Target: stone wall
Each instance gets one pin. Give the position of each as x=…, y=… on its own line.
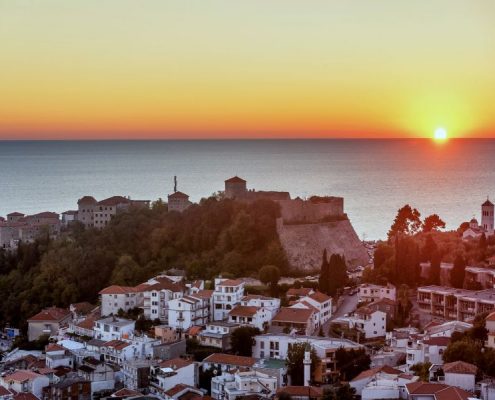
x=308, y=211
x=304, y=243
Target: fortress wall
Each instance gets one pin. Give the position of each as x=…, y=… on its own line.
x=304, y=244
x=298, y=210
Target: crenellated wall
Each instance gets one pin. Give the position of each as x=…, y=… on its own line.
x=316, y=209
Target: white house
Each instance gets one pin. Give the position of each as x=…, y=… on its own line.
x=272, y=304
x=298, y=319
x=157, y=293
x=58, y=356
x=190, y=310
x=172, y=372
x=460, y=374
x=368, y=292
x=217, y=334
x=115, y=298
x=226, y=362
x=112, y=328
x=382, y=382
x=100, y=374
x=257, y=317
x=371, y=323
x=421, y=350
x=25, y=381
x=228, y=293
x=247, y=383
x=319, y=302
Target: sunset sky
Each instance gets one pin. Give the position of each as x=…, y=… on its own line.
x=255, y=68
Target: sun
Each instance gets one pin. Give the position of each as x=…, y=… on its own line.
x=440, y=134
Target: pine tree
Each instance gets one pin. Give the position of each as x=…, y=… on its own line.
x=458, y=272
x=434, y=275
x=324, y=273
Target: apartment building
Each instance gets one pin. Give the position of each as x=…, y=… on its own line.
x=228, y=293
x=113, y=328
x=257, y=317
x=369, y=322
x=217, y=334
x=115, y=298
x=300, y=320
x=455, y=304
x=243, y=383
x=98, y=214
x=368, y=292
x=271, y=304
x=48, y=322
x=425, y=349
x=157, y=293
x=190, y=310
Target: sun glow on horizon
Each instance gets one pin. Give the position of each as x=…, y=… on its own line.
x=440, y=134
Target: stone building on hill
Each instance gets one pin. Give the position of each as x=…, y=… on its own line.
x=307, y=227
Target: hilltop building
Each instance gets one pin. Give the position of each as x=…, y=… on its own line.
x=98, y=214
x=475, y=229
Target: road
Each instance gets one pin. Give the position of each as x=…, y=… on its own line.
x=348, y=305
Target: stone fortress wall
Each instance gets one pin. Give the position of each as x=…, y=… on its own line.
x=307, y=227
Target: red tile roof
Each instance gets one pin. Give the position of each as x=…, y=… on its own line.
x=235, y=179
x=5, y=392
x=299, y=292
x=244, y=311
x=113, y=201
x=301, y=391
x=230, y=359
x=320, y=297
x=25, y=396
x=116, y=289
x=297, y=315
x=491, y=317
x=15, y=214
x=178, y=195
x=460, y=367
x=125, y=392
x=178, y=388
x=373, y=371
x=87, y=323
x=439, y=390
x=203, y=294
x=116, y=344
x=175, y=363
x=87, y=200
x=230, y=282
x=53, y=347
x=194, y=330
x=53, y=314
x=438, y=341
x=22, y=375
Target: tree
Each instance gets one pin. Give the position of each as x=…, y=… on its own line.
x=324, y=273
x=407, y=268
x=463, y=350
x=458, y=272
x=127, y=272
x=270, y=275
x=242, y=340
x=350, y=363
x=434, y=274
x=422, y=370
x=295, y=366
x=334, y=275
x=407, y=222
x=433, y=223
x=429, y=249
x=343, y=392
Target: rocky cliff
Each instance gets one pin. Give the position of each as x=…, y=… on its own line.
x=304, y=243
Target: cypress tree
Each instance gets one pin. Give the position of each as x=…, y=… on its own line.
x=324, y=273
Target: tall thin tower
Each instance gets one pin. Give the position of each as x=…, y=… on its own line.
x=487, y=217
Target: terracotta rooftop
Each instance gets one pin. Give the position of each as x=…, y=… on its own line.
x=203, y=294
x=178, y=388
x=301, y=391
x=438, y=390
x=320, y=297
x=230, y=359
x=460, y=367
x=116, y=344
x=125, y=392
x=194, y=330
x=297, y=315
x=87, y=323
x=15, y=214
x=235, y=179
x=83, y=308
x=178, y=195
x=175, y=363
x=53, y=314
x=45, y=214
x=230, y=282
x=491, y=317
x=25, y=396
x=244, y=311
x=53, y=347
x=116, y=289
x=87, y=200
x=299, y=292
x=22, y=375
x=114, y=200
x=438, y=341
x=373, y=371
x=5, y=392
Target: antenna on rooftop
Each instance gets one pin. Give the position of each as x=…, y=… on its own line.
x=175, y=183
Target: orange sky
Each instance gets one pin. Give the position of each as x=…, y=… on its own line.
x=224, y=68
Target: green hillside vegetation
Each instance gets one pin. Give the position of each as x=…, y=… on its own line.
x=213, y=237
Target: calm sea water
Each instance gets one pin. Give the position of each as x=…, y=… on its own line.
x=375, y=177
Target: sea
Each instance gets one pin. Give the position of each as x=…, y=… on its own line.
x=375, y=177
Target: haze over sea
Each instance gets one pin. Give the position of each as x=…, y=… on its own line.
x=375, y=177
